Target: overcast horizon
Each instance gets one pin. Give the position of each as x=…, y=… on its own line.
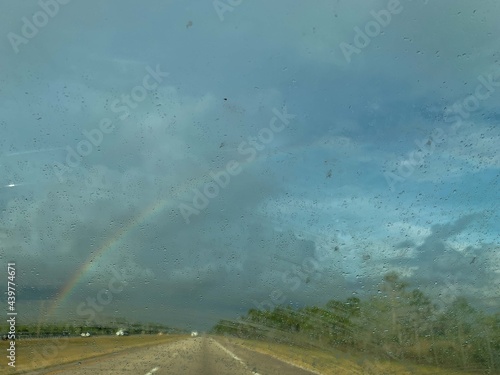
x=215, y=156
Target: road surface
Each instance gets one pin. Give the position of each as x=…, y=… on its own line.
x=193, y=356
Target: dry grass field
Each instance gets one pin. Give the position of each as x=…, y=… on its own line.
x=34, y=354
x=335, y=362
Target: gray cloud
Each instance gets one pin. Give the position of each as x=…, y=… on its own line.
x=317, y=189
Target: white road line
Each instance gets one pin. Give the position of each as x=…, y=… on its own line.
x=273, y=356
x=231, y=354
x=227, y=351
x=153, y=371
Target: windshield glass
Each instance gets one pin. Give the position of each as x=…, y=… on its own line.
x=243, y=185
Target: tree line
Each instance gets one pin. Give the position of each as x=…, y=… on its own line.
x=396, y=323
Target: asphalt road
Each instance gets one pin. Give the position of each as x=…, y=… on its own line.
x=200, y=356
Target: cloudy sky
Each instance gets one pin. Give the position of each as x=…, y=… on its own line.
x=291, y=154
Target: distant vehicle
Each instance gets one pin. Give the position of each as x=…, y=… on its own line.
x=85, y=334
x=194, y=333
x=122, y=332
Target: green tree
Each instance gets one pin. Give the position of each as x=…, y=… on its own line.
x=419, y=318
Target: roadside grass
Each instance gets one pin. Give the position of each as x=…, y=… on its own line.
x=335, y=362
x=36, y=354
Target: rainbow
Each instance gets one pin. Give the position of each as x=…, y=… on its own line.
x=112, y=243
